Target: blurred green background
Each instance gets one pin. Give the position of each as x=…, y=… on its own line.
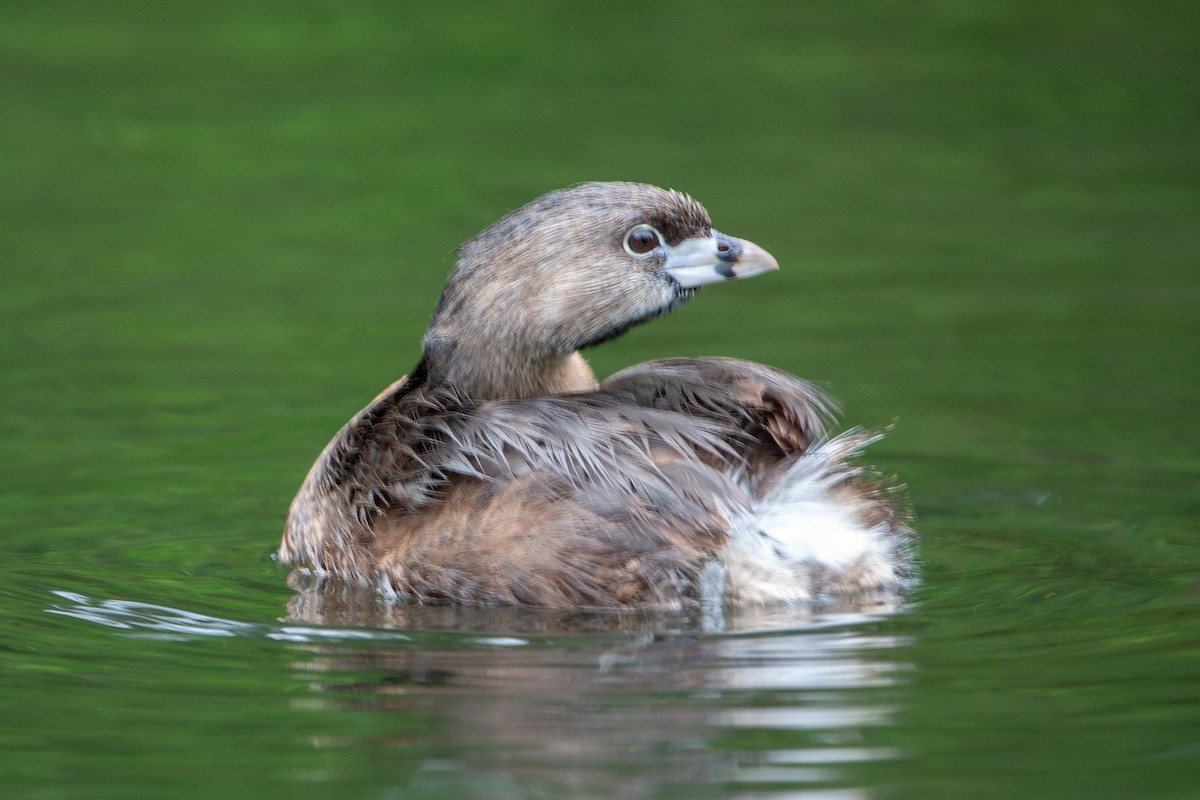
x=223, y=227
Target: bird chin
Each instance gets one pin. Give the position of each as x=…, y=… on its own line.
x=677, y=297
x=682, y=295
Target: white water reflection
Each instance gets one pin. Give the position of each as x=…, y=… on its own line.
x=151, y=621
x=791, y=712
x=504, y=703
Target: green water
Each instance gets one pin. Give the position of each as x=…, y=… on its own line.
x=222, y=230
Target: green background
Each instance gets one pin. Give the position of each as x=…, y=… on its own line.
x=223, y=227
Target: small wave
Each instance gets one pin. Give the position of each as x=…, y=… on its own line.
x=152, y=621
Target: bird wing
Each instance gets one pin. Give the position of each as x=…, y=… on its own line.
x=560, y=501
x=597, y=499
x=779, y=413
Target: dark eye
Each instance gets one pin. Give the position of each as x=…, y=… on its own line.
x=641, y=240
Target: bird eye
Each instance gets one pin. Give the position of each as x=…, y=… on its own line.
x=642, y=240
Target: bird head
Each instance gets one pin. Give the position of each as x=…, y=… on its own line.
x=582, y=265
x=579, y=266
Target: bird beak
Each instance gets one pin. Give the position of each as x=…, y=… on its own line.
x=710, y=259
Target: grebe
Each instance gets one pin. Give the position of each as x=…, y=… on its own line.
x=499, y=471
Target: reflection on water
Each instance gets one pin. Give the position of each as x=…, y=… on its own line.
x=788, y=711
x=627, y=718
x=326, y=604
x=152, y=621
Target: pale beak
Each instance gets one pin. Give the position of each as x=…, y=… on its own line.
x=710, y=259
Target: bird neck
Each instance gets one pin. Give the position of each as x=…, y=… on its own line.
x=483, y=370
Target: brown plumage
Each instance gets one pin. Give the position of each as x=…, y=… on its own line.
x=500, y=471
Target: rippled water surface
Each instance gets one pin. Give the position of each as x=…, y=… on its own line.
x=224, y=228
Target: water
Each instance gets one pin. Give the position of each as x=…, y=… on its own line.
x=224, y=229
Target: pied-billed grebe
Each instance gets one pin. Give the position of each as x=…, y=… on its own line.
x=500, y=471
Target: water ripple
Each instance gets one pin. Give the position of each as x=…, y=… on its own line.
x=152, y=621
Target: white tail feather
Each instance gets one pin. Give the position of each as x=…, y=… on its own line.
x=802, y=538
